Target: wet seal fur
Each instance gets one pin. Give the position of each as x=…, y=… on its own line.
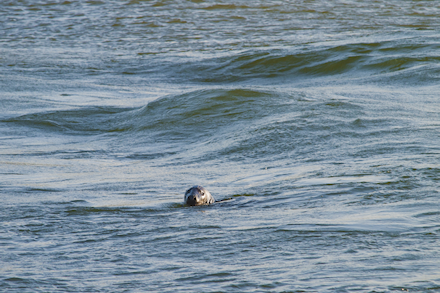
x=198, y=195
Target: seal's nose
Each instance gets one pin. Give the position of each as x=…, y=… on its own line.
x=192, y=200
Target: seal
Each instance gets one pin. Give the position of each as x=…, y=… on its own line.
x=197, y=195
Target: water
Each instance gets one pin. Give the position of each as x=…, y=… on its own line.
x=320, y=119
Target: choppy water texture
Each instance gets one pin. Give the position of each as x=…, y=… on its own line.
x=319, y=118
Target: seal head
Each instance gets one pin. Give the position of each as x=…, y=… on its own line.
x=197, y=195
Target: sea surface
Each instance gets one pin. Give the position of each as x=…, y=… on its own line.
x=319, y=119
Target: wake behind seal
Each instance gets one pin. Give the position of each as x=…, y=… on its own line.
x=198, y=195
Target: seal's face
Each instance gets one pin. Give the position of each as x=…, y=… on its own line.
x=197, y=195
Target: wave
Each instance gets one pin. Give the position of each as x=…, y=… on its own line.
x=237, y=123
x=87, y=120
x=173, y=115
x=367, y=60
x=207, y=112
x=404, y=61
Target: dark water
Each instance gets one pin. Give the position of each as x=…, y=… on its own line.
x=319, y=118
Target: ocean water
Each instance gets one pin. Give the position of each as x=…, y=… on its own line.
x=320, y=119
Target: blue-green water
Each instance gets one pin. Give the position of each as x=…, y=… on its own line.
x=319, y=118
